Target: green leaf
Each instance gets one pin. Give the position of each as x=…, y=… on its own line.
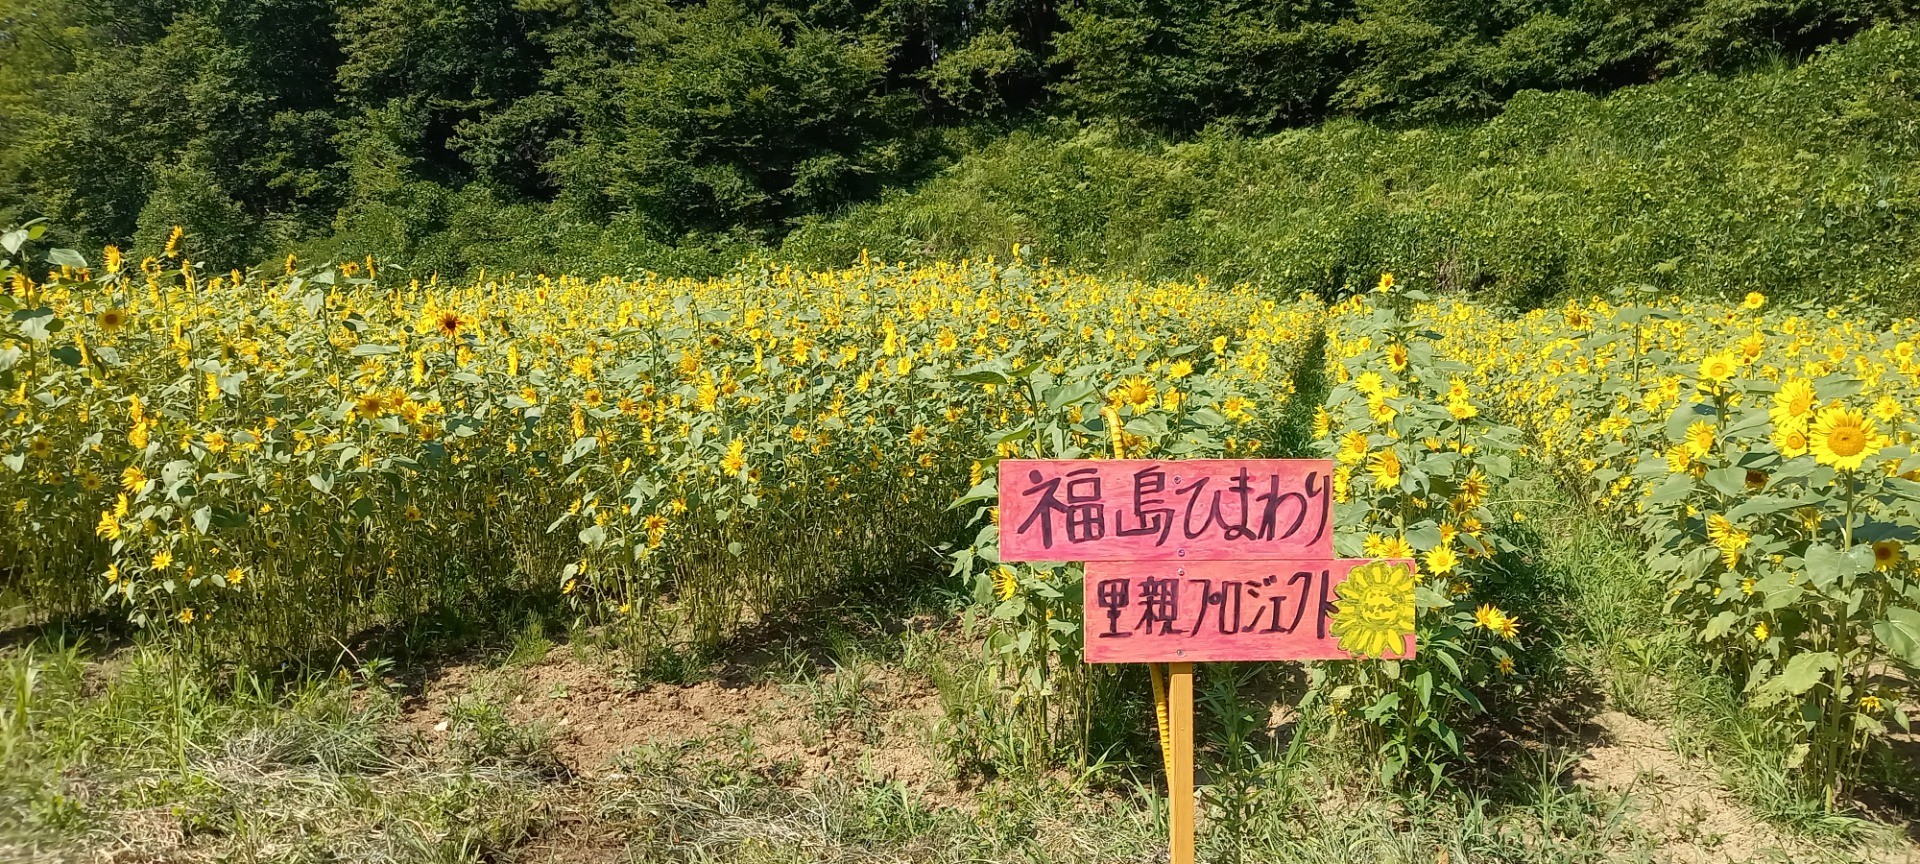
x=1731, y=482
x=1675, y=488
x=1720, y=626
x=1060, y=397
x=1800, y=675
x=1684, y=416
x=1900, y=633
x=1827, y=565
x=1760, y=505
x=985, y=373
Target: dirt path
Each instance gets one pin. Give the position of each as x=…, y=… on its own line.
x=1681, y=802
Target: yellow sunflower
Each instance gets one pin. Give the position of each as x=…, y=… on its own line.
x=1716, y=368
x=1844, y=438
x=1887, y=554
x=1136, y=392
x=1791, y=440
x=1005, y=583
x=1395, y=547
x=1385, y=467
x=1353, y=448
x=735, y=459
x=1700, y=438
x=1792, y=403
x=449, y=323
x=1441, y=559
x=1373, y=614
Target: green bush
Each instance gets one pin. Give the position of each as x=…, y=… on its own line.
x=1799, y=182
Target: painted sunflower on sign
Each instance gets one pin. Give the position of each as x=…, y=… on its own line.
x=1374, y=612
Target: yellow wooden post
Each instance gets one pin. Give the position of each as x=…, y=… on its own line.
x=1180, y=762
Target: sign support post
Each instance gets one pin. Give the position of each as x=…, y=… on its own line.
x=1180, y=762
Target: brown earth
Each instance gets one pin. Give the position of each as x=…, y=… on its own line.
x=1681, y=802
x=594, y=718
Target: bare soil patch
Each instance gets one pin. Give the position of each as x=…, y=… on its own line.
x=1681, y=802
x=594, y=717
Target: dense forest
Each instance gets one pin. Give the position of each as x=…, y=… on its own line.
x=683, y=134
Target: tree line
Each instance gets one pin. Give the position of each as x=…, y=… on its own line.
x=380, y=124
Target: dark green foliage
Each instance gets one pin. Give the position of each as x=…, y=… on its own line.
x=1179, y=65
x=1802, y=182
x=233, y=98
x=1182, y=64
x=452, y=130
x=452, y=74
x=722, y=116
x=264, y=123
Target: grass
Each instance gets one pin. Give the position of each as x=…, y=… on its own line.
x=134, y=750
x=147, y=754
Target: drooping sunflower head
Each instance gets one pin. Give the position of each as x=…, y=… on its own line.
x=1005, y=583
x=1374, y=611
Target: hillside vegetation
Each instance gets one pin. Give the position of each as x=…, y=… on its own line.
x=1799, y=182
x=605, y=134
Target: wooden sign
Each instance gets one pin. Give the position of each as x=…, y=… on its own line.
x=1149, y=510
x=1204, y=559
x=1184, y=612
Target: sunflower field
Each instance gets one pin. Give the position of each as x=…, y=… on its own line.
x=260, y=466
x=265, y=464
x=1764, y=456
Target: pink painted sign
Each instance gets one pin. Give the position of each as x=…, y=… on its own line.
x=1192, y=611
x=1150, y=510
